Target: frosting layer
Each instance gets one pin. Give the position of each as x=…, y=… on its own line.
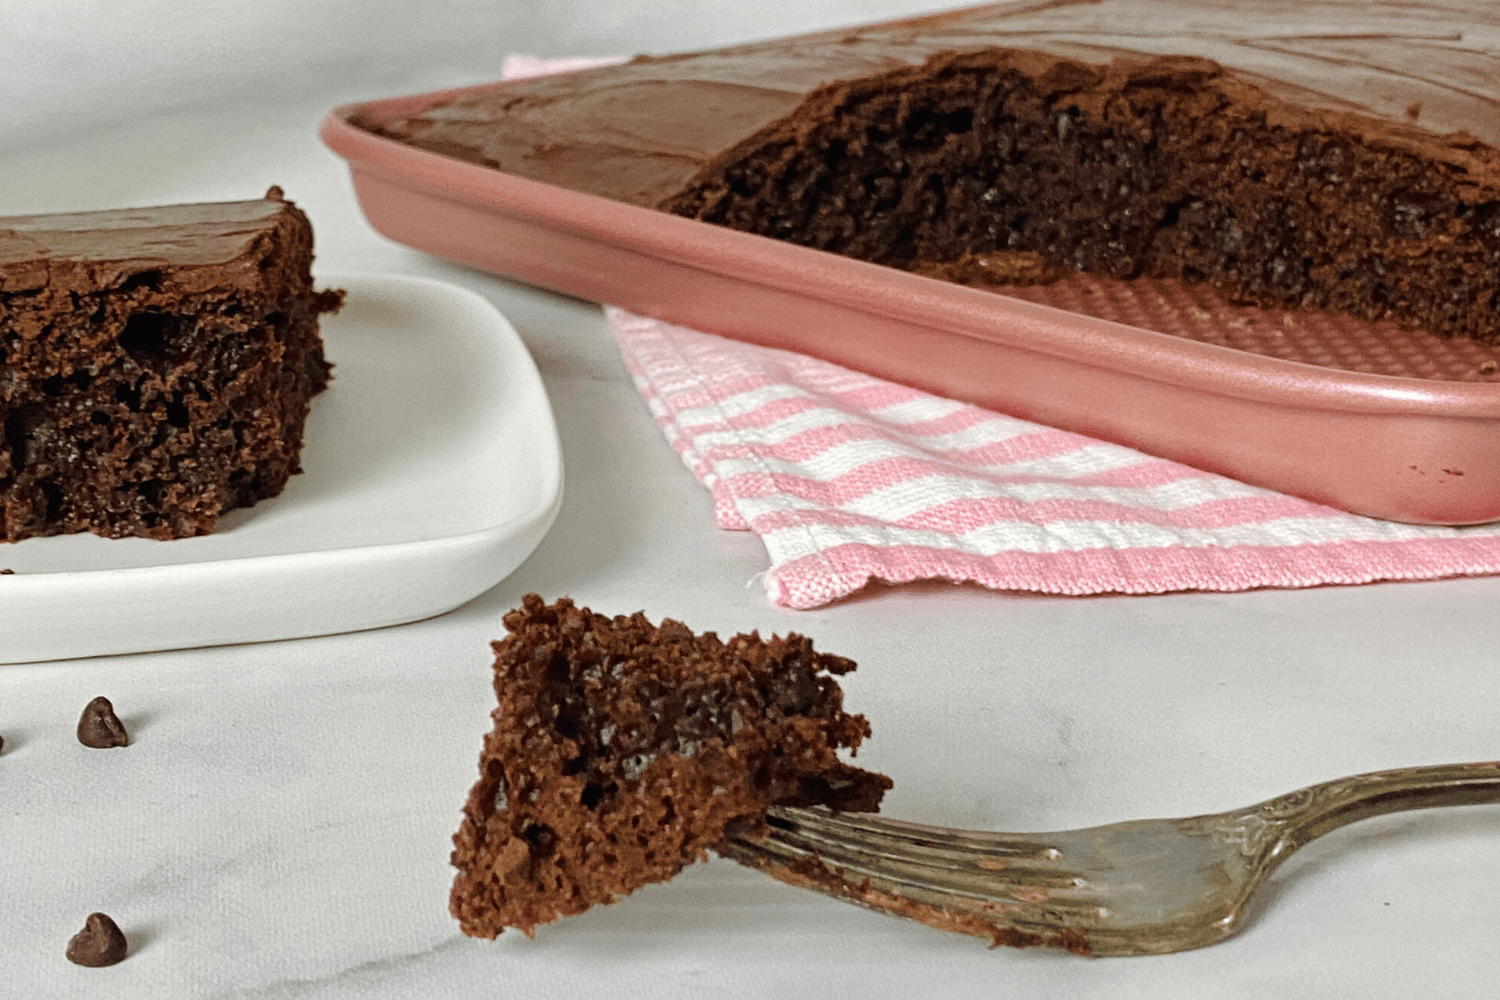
x=640, y=132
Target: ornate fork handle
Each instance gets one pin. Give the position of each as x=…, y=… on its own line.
x=1273, y=829
x=1132, y=888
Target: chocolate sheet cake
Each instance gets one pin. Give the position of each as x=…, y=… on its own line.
x=622, y=751
x=155, y=365
x=1322, y=155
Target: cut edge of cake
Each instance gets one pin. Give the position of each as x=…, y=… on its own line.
x=623, y=751
x=156, y=365
x=1167, y=167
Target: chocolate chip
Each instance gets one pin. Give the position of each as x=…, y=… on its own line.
x=100, y=943
x=100, y=727
x=2, y=743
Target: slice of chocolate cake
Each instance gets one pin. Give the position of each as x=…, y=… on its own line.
x=623, y=751
x=155, y=365
x=1316, y=155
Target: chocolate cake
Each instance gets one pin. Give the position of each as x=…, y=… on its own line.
x=1320, y=155
x=155, y=365
x=622, y=751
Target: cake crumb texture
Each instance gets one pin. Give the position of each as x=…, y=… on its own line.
x=623, y=751
x=1169, y=167
x=156, y=365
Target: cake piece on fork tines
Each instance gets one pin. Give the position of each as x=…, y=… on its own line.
x=623, y=751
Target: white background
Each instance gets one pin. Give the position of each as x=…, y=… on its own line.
x=279, y=828
x=76, y=63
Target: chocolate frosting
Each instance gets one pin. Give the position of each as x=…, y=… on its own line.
x=129, y=240
x=640, y=132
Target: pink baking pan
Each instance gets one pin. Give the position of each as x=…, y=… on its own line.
x=1363, y=417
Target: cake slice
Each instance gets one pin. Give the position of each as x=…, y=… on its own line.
x=622, y=751
x=155, y=365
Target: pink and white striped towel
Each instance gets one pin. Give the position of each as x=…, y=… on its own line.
x=849, y=479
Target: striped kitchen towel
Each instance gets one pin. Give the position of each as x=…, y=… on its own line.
x=849, y=479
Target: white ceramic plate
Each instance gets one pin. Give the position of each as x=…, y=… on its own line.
x=432, y=469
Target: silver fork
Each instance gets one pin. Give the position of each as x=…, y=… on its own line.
x=1136, y=888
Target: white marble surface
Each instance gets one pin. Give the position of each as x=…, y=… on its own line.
x=279, y=826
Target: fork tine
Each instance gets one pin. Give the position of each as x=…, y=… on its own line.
x=900, y=837
x=1020, y=895
x=1017, y=923
x=934, y=859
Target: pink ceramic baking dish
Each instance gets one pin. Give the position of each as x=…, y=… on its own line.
x=1372, y=420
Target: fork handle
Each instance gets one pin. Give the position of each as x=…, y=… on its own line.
x=1288, y=821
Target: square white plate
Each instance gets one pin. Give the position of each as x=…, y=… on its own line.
x=432, y=469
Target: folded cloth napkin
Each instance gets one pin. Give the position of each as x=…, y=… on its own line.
x=849, y=479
